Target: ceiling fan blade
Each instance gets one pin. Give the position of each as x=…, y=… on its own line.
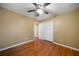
x=45, y=12
x=36, y=14
x=34, y=4
x=46, y=4
x=31, y=10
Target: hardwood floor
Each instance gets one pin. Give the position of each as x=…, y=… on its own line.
x=39, y=48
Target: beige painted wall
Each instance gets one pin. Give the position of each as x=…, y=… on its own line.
x=66, y=29
x=14, y=28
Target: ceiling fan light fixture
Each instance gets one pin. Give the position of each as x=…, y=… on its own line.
x=40, y=11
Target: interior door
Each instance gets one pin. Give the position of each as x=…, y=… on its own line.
x=46, y=30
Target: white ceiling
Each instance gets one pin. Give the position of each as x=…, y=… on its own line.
x=53, y=9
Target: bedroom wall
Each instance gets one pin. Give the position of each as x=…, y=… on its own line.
x=14, y=28
x=66, y=29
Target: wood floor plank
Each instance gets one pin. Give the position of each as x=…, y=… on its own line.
x=39, y=48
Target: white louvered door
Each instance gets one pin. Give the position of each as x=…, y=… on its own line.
x=46, y=30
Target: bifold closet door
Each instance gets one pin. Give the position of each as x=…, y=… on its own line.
x=46, y=30
x=41, y=31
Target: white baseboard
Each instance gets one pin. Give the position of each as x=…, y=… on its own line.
x=33, y=40
x=66, y=46
x=15, y=45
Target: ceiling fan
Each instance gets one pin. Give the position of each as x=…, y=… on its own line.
x=39, y=8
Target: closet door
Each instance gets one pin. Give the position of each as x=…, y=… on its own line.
x=46, y=30
x=41, y=31
x=49, y=31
